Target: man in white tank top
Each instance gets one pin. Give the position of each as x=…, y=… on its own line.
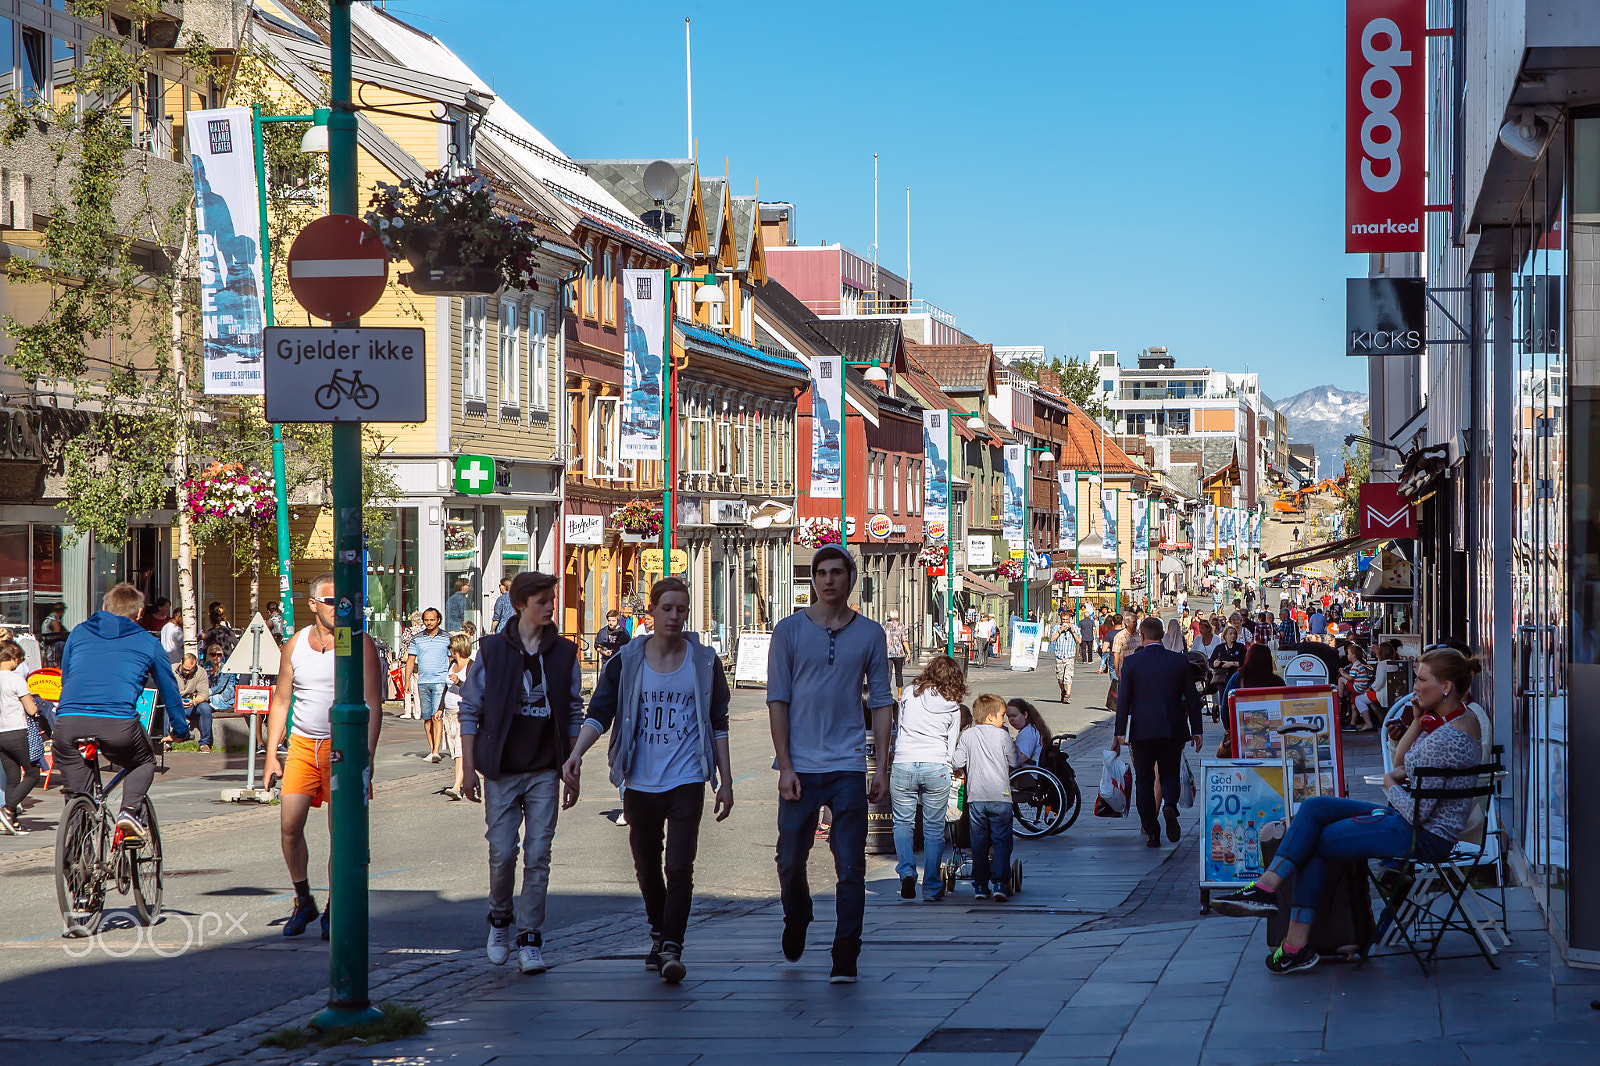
x=306, y=675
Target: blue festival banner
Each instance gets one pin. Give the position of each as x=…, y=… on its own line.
x=644, y=316
x=935, y=474
x=827, y=427
x=228, y=231
x=1108, y=516
x=1067, y=506
x=1012, y=523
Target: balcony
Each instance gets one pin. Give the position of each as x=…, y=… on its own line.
x=870, y=304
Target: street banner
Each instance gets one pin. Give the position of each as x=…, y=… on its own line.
x=1013, y=522
x=1211, y=527
x=1255, y=531
x=1385, y=124
x=1139, y=514
x=827, y=426
x=1225, y=539
x=1108, y=515
x=228, y=231
x=644, y=316
x=935, y=474
x=1241, y=530
x=1067, y=505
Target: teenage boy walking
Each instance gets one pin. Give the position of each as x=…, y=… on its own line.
x=521, y=707
x=820, y=659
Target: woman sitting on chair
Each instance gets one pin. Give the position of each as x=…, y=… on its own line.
x=1328, y=829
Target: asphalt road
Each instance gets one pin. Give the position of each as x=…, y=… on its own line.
x=218, y=955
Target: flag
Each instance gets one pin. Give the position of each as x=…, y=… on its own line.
x=228, y=231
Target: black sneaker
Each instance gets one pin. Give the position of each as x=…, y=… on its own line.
x=652, y=961
x=844, y=964
x=1248, y=902
x=794, y=939
x=980, y=891
x=1173, y=832
x=672, y=968
x=304, y=913
x=908, y=887
x=326, y=911
x=133, y=830
x=1281, y=961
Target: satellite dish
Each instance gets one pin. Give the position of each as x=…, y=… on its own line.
x=661, y=181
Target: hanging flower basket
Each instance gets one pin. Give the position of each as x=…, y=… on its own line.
x=932, y=555
x=454, y=234
x=232, y=494
x=816, y=533
x=1009, y=569
x=637, y=521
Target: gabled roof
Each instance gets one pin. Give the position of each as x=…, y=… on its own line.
x=625, y=179
x=747, y=232
x=878, y=339
x=958, y=367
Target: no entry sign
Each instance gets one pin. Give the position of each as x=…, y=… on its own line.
x=338, y=268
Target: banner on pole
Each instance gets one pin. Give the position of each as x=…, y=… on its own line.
x=644, y=314
x=228, y=231
x=1228, y=516
x=1255, y=532
x=1108, y=515
x=827, y=427
x=935, y=474
x=1139, y=513
x=1013, y=522
x=1211, y=527
x=1067, y=505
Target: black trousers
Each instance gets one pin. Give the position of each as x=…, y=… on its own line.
x=1164, y=756
x=675, y=815
x=122, y=740
x=21, y=775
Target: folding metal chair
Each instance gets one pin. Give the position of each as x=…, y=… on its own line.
x=1410, y=914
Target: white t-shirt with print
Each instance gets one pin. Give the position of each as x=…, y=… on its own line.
x=666, y=735
x=13, y=686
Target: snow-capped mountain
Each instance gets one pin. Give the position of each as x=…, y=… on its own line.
x=1324, y=416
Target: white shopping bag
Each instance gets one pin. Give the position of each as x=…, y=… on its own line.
x=1116, y=785
x=1186, y=787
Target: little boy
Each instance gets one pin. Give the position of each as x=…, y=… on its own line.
x=988, y=755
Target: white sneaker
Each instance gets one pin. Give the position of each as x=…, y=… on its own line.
x=499, y=946
x=530, y=959
x=434, y=756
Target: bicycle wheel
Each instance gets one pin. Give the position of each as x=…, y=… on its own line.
x=1037, y=801
x=1074, y=805
x=79, y=889
x=365, y=396
x=147, y=868
x=328, y=396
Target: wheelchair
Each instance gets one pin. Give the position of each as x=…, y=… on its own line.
x=1045, y=799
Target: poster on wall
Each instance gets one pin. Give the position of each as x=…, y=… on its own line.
x=935, y=474
x=1012, y=523
x=827, y=426
x=1067, y=505
x=644, y=310
x=1108, y=516
x=1139, y=514
x=228, y=231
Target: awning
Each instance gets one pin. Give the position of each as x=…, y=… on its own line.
x=971, y=582
x=1313, y=553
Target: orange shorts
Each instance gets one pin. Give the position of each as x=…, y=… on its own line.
x=308, y=769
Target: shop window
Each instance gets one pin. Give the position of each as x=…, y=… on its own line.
x=461, y=563
x=538, y=360
x=392, y=576
x=474, y=347
x=517, y=545
x=510, y=353
x=14, y=560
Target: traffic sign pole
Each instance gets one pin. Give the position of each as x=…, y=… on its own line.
x=348, y=1001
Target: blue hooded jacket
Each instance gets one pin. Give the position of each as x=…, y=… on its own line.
x=104, y=665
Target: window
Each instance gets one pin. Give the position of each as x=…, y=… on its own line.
x=538, y=360
x=591, y=306
x=725, y=448
x=741, y=451
x=897, y=484
x=609, y=296
x=746, y=322
x=510, y=353
x=603, y=430
x=35, y=65
x=574, y=426
x=474, y=346
x=698, y=446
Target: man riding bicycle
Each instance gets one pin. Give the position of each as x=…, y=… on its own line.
x=103, y=669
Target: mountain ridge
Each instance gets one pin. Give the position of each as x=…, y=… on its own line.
x=1323, y=416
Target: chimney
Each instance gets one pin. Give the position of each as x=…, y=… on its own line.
x=1049, y=379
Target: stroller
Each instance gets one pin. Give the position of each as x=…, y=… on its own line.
x=957, y=865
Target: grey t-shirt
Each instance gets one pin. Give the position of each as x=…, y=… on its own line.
x=819, y=673
x=989, y=755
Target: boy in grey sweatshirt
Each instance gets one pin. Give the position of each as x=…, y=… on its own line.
x=988, y=755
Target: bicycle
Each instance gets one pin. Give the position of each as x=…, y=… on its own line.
x=90, y=852
x=339, y=386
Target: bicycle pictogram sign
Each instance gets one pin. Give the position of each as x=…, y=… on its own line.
x=342, y=385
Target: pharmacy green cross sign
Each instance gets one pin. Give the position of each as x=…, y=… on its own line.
x=474, y=475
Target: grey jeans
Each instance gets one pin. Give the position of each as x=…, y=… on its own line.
x=525, y=803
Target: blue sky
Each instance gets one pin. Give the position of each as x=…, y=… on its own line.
x=1083, y=175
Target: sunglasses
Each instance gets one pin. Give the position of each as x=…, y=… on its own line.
x=326, y=600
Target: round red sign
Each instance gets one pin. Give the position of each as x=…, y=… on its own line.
x=338, y=268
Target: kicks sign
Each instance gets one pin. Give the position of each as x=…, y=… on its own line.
x=1385, y=125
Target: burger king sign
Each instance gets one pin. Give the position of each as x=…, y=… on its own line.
x=880, y=526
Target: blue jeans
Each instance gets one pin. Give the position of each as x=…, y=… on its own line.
x=430, y=696
x=520, y=806
x=1328, y=829
x=201, y=712
x=991, y=827
x=844, y=793
x=931, y=782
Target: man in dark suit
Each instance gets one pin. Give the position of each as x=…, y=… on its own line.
x=1157, y=710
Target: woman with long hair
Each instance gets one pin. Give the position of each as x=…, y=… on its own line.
x=1258, y=671
x=929, y=725
x=1033, y=736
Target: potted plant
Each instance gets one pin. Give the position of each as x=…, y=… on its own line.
x=636, y=521
x=454, y=235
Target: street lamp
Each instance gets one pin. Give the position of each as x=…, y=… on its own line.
x=707, y=293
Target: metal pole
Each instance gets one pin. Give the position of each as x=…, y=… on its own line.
x=949, y=542
x=348, y=1003
x=666, y=423
x=1027, y=530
